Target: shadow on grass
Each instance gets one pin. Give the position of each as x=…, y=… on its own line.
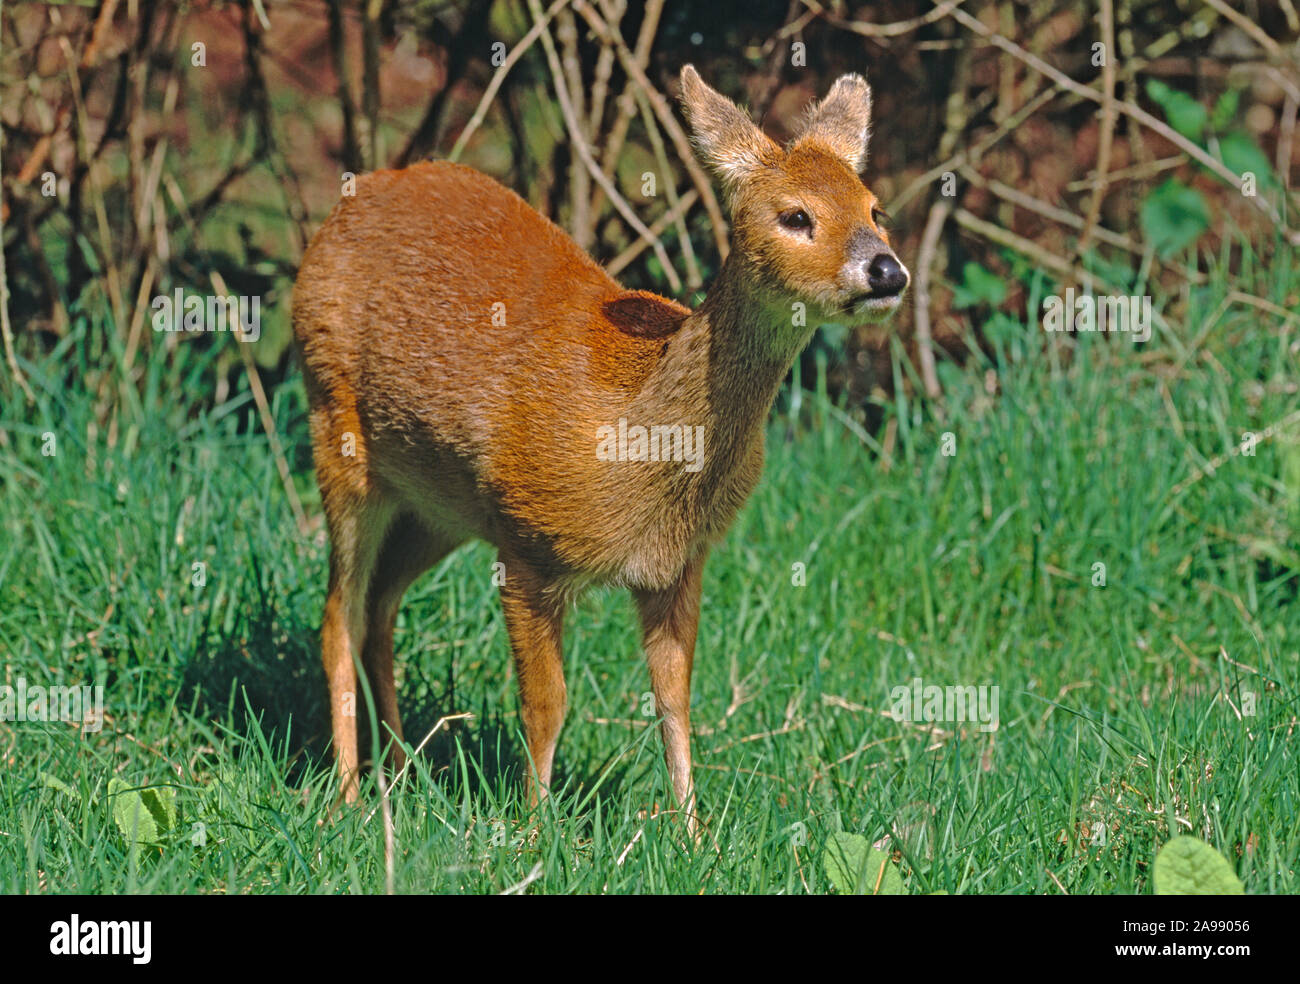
x=268, y=671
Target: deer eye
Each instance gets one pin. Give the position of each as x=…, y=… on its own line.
x=879, y=216
x=796, y=218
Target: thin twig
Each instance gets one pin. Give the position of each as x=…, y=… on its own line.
x=1107, y=125
x=1026, y=247
x=620, y=262
x=1129, y=109
x=583, y=151
x=921, y=295
x=111, y=273
x=582, y=220
x=604, y=69
x=1292, y=18
x=693, y=278
x=1286, y=135
x=1263, y=305
x=499, y=76
x=463, y=715
x=143, y=224
x=664, y=113
x=1140, y=172
x=1040, y=207
x=1249, y=26
x=263, y=408
x=1214, y=464
x=370, y=98
x=390, y=847
x=795, y=26
x=625, y=105
x=869, y=30
x=532, y=876
x=775, y=51
x=338, y=52
x=973, y=155
x=6, y=330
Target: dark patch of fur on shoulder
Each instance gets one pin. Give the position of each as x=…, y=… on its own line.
x=644, y=315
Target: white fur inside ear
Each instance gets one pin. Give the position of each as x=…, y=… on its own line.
x=735, y=168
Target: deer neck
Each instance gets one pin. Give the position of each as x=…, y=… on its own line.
x=723, y=368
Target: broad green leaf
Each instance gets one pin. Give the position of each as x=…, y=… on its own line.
x=978, y=286
x=1241, y=155
x=52, y=782
x=161, y=802
x=142, y=815
x=1173, y=217
x=130, y=814
x=1187, y=866
x=1184, y=113
x=1225, y=110
x=854, y=867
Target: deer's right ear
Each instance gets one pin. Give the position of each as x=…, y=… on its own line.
x=728, y=142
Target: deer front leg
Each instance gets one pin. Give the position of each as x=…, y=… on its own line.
x=669, y=620
x=534, y=619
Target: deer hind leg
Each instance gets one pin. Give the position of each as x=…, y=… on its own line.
x=357, y=522
x=410, y=548
x=534, y=613
x=669, y=620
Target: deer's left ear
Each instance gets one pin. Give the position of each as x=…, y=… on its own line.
x=842, y=121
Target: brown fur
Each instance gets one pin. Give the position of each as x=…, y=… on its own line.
x=464, y=428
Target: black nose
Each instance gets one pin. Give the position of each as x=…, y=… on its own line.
x=885, y=276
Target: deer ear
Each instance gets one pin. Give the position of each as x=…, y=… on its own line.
x=727, y=141
x=842, y=121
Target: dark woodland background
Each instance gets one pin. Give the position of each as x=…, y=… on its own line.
x=150, y=146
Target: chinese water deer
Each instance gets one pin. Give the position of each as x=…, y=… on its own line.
x=473, y=373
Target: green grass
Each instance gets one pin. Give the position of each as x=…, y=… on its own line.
x=1116, y=702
